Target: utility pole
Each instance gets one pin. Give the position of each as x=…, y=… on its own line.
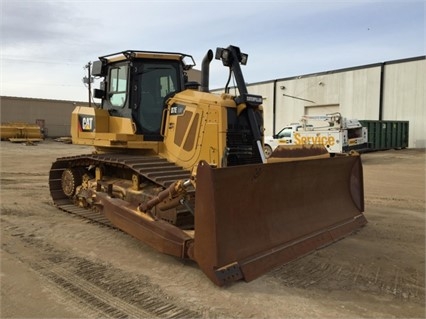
x=88, y=80
x=89, y=66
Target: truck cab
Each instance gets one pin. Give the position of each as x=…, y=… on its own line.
x=283, y=137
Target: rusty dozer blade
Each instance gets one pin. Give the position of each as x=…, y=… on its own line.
x=251, y=219
x=287, y=153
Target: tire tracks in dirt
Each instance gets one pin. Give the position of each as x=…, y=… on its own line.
x=111, y=292
x=313, y=272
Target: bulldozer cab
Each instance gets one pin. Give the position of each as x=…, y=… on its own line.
x=136, y=85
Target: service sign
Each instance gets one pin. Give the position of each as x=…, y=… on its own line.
x=314, y=139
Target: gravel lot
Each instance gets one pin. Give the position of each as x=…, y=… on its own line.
x=56, y=265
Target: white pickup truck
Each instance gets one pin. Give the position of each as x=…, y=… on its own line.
x=339, y=136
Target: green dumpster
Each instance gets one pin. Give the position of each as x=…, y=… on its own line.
x=383, y=135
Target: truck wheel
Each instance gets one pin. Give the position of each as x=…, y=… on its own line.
x=267, y=150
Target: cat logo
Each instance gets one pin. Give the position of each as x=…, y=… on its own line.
x=87, y=123
x=177, y=109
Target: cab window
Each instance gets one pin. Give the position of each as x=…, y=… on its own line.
x=118, y=86
x=285, y=132
x=167, y=84
x=156, y=80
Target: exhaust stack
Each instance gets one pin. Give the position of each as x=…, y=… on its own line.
x=205, y=71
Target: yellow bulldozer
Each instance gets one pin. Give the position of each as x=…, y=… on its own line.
x=183, y=169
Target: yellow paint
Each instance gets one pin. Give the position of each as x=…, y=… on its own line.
x=318, y=139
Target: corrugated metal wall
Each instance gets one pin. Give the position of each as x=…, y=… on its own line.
x=356, y=93
x=363, y=93
x=56, y=114
x=404, y=98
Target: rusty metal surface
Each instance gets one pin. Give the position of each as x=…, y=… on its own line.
x=262, y=216
x=295, y=151
x=159, y=234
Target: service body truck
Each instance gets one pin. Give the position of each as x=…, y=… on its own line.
x=341, y=135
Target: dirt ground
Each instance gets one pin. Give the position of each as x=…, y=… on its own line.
x=57, y=265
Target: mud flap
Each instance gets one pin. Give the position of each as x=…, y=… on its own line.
x=251, y=219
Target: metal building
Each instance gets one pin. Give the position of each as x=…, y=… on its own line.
x=393, y=90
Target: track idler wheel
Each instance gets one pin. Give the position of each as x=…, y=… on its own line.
x=70, y=180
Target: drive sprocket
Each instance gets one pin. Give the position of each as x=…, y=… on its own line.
x=70, y=180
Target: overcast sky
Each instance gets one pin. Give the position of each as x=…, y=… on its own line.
x=45, y=44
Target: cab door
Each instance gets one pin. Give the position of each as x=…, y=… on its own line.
x=285, y=136
x=153, y=82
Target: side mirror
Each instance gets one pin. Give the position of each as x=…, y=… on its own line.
x=98, y=94
x=98, y=69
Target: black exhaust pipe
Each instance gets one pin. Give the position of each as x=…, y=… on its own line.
x=205, y=71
